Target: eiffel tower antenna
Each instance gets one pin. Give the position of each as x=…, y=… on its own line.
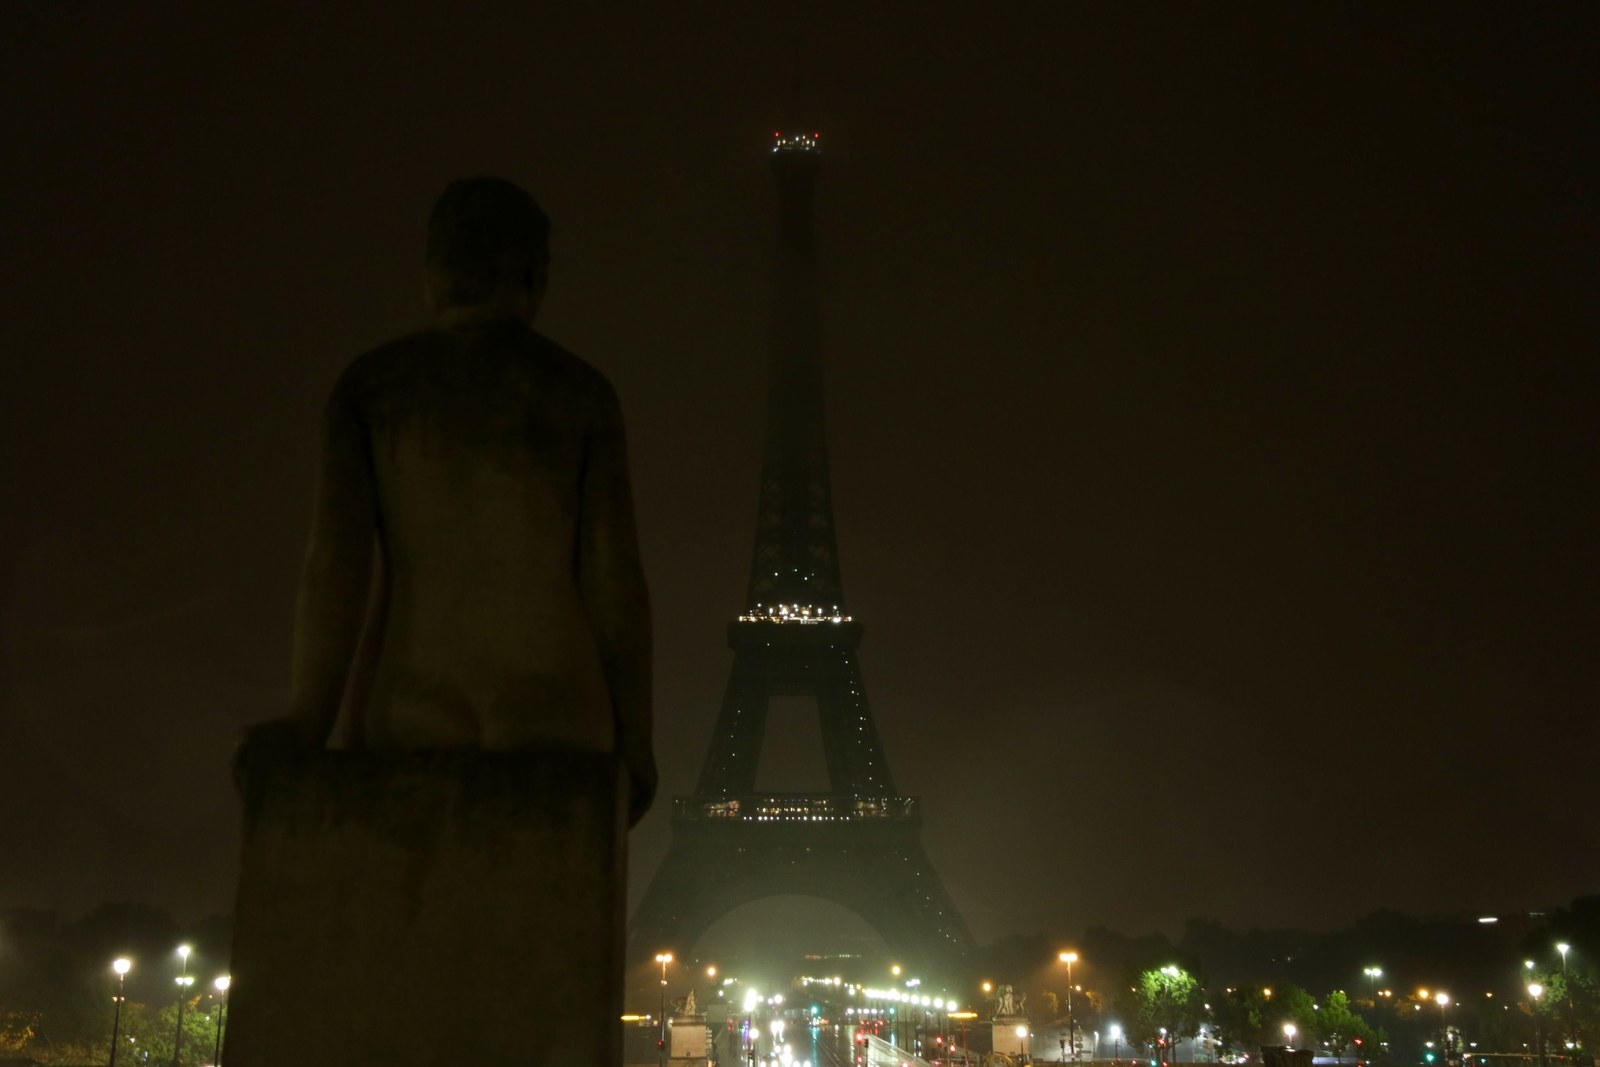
x=858, y=844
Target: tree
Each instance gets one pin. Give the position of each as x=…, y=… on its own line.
x=1238, y=1020
x=1336, y=1025
x=1165, y=999
x=152, y=1030
x=16, y=1030
x=1290, y=1005
x=1569, y=1008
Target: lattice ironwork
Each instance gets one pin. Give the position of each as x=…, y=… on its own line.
x=858, y=844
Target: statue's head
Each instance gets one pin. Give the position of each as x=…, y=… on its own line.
x=488, y=247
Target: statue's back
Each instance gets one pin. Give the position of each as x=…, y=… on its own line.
x=478, y=442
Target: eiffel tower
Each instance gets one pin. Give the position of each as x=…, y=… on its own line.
x=858, y=844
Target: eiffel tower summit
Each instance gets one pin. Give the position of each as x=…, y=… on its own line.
x=858, y=844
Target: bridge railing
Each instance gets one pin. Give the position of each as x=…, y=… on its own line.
x=775, y=807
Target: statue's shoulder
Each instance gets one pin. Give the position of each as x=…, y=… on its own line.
x=586, y=387
x=524, y=359
x=579, y=372
x=380, y=366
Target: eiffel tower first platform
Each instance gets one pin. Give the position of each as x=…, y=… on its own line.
x=858, y=844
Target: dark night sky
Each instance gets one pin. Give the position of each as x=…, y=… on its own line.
x=1212, y=405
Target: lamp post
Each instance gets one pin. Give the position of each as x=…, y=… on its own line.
x=1535, y=991
x=1172, y=971
x=1443, y=1000
x=1069, y=958
x=222, y=983
x=184, y=982
x=1563, y=948
x=1289, y=1032
x=1373, y=974
x=1116, y=1038
x=122, y=967
x=663, y=958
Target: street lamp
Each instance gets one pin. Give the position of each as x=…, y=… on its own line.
x=1562, y=947
x=1373, y=974
x=1069, y=958
x=222, y=983
x=663, y=958
x=1116, y=1037
x=1289, y=1032
x=122, y=967
x=1443, y=1000
x=1535, y=991
x=184, y=982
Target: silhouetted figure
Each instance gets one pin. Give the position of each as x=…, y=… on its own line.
x=476, y=471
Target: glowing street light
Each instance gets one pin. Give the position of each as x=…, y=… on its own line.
x=184, y=982
x=663, y=958
x=121, y=966
x=1535, y=991
x=1069, y=958
x=222, y=983
x=1563, y=948
x=1116, y=1037
x=1442, y=999
x=1373, y=974
x=1289, y=1031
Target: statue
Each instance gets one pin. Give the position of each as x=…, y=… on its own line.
x=688, y=1004
x=473, y=580
x=1005, y=1004
x=473, y=610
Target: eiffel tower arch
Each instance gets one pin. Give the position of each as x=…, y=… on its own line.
x=859, y=843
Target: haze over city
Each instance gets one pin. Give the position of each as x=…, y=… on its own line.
x=1210, y=404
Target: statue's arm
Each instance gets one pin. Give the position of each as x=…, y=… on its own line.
x=334, y=584
x=613, y=588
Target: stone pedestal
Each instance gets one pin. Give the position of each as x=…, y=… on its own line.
x=422, y=910
x=689, y=1045
x=1006, y=1038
